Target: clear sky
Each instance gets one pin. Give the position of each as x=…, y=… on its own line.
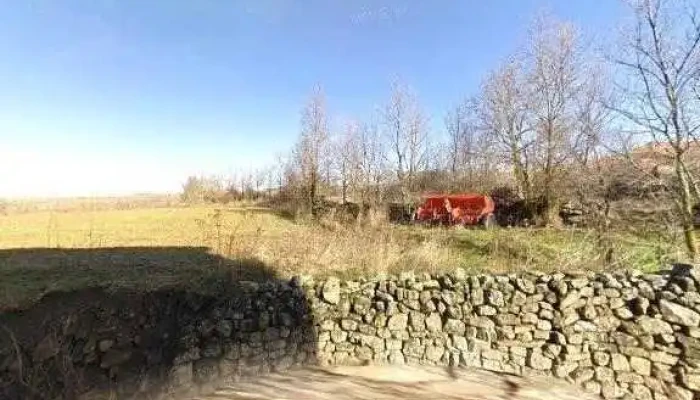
x=105, y=97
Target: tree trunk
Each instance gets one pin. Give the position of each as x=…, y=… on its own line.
x=344, y=190
x=686, y=210
x=312, y=195
x=521, y=175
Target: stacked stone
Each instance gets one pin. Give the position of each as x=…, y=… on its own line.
x=263, y=328
x=619, y=335
x=623, y=335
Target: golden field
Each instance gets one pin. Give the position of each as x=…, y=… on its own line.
x=199, y=247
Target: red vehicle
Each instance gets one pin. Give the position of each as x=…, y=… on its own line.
x=456, y=209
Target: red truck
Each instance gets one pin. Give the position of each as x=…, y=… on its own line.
x=456, y=209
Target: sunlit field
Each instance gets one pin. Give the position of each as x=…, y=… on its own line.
x=151, y=248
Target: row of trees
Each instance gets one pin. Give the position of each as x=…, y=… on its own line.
x=555, y=121
x=535, y=116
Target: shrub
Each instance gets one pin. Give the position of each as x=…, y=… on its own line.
x=201, y=190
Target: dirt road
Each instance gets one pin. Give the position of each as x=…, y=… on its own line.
x=395, y=382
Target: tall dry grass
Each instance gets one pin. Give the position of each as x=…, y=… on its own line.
x=377, y=247
x=252, y=238
x=326, y=247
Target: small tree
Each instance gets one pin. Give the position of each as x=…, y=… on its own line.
x=342, y=151
x=461, y=149
x=372, y=166
x=405, y=129
x=312, y=149
x=200, y=189
x=559, y=78
x=503, y=116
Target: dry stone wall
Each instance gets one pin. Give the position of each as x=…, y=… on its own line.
x=621, y=335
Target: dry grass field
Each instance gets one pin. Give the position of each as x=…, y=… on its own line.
x=200, y=247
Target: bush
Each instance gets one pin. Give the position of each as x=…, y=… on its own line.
x=201, y=190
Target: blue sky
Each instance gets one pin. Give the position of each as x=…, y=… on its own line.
x=116, y=96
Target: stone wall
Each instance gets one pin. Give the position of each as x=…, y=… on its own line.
x=621, y=335
x=166, y=344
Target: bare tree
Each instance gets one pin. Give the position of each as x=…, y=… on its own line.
x=248, y=184
x=311, y=151
x=557, y=77
x=660, y=60
x=371, y=164
x=503, y=114
x=278, y=173
x=201, y=189
x=592, y=182
x=405, y=128
x=532, y=112
x=347, y=158
x=260, y=176
x=488, y=172
x=461, y=151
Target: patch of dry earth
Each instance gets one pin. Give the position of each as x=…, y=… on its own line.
x=395, y=382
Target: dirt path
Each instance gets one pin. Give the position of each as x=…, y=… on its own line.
x=394, y=382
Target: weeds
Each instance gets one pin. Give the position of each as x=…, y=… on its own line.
x=247, y=239
x=39, y=377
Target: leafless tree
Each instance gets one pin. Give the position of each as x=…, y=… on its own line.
x=372, y=166
x=592, y=183
x=278, y=173
x=539, y=110
x=405, y=129
x=311, y=151
x=592, y=119
x=503, y=115
x=660, y=63
x=488, y=171
x=461, y=149
x=201, y=189
x=247, y=184
x=558, y=76
x=347, y=159
x=260, y=176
